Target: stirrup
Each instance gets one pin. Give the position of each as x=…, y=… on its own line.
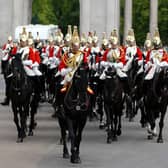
x=64, y=89
x=90, y=91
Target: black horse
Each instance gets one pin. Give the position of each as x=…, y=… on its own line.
x=22, y=99
x=75, y=112
x=134, y=94
x=113, y=103
x=156, y=100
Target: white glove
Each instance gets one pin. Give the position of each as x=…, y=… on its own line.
x=43, y=55
x=64, y=71
x=97, y=65
x=110, y=64
x=140, y=62
x=35, y=64
x=27, y=62
x=119, y=65
x=104, y=63
x=163, y=64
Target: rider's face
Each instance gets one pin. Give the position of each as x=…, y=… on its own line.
x=75, y=47
x=23, y=43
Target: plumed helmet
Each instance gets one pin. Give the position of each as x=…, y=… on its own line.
x=50, y=39
x=104, y=39
x=114, y=37
x=23, y=37
x=156, y=38
x=58, y=37
x=130, y=37
x=30, y=41
x=68, y=36
x=9, y=38
x=75, y=36
x=95, y=37
x=83, y=38
x=38, y=37
x=148, y=42
x=89, y=38
x=30, y=36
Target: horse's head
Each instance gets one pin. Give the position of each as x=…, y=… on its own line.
x=76, y=98
x=135, y=66
x=111, y=72
x=80, y=78
x=164, y=77
x=18, y=73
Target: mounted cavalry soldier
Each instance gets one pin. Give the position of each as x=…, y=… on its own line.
x=156, y=57
x=147, y=45
x=67, y=40
x=114, y=56
x=83, y=42
x=132, y=51
x=9, y=49
x=72, y=59
x=70, y=62
x=31, y=60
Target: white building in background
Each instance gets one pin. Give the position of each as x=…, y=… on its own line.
x=99, y=15
x=104, y=15
x=12, y=14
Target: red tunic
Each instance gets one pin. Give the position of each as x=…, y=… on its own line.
x=34, y=55
x=164, y=57
x=138, y=53
x=121, y=58
x=65, y=57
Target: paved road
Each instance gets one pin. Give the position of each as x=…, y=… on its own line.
x=43, y=149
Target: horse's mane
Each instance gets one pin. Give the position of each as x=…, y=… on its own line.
x=77, y=92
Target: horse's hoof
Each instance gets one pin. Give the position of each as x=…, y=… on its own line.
x=126, y=116
x=119, y=132
x=30, y=133
x=109, y=140
x=131, y=120
x=101, y=126
x=34, y=125
x=143, y=125
x=150, y=137
x=24, y=135
x=75, y=160
x=160, y=140
x=19, y=140
x=114, y=138
x=66, y=155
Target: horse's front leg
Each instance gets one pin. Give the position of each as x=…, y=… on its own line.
x=161, y=125
x=72, y=138
x=119, y=132
x=62, y=123
x=33, y=111
x=115, y=123
x=143, y=120
x=109, y=126
x=78, y=138
x=151, y=128
x=16, y=121
x=23, y=123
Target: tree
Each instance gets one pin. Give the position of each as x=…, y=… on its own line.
x=163, y=20
x=65, y=12
x=59, y=12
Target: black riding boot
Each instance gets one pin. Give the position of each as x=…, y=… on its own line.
x=5, y=102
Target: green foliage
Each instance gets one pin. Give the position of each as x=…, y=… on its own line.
x=141, y=20
x=43, y=12
x=64, y=12
x=163, y=20
x=59, y=12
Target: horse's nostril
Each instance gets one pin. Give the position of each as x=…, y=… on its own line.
x=78, y=108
